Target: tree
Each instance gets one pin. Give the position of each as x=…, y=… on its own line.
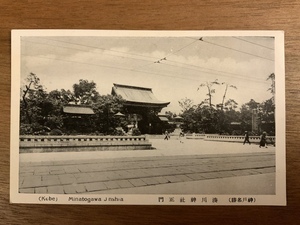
x=189, y=120
x=186, y=104
x=105, y=109
x=225, y=92
x=272, y=78
x=31, y=90
x=33, y=106
x=267, y=116
x=63, y=96
x=252, y=104
x=85, y=92
x=272, y=88
x=200, y=118
x=210, y=90
x=247, y=111
x=209, y=120
x=56, y=101
x=170, y=115
x=231, y=104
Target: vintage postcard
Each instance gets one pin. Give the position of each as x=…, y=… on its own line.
x=148, y=117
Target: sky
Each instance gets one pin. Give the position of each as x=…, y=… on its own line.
x=174, y=67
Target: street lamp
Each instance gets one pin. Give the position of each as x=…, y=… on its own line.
x=119, y=115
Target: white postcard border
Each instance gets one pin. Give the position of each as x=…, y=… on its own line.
x=148, y=199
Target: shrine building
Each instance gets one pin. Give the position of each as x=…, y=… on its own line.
x=141, y=104
x=77, y=118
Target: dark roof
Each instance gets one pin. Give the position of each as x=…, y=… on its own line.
x=163, y=117
x=78, y=109
x=139, y=96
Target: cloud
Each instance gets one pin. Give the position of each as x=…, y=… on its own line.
x=130, y=61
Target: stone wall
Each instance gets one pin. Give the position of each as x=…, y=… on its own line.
x=29, y=144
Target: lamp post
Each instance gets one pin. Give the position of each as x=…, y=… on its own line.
x=119, y=116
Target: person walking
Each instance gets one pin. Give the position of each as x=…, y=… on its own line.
x=181, y=135
x=246, y=139
x=262, y=142
x=166, y=135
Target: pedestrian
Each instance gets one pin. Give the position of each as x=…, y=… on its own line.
x=246, y=139
x=166, y=135
x=262, y=142
x=181, y=135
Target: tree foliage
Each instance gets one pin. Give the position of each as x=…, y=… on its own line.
x=186, y=104
x=105, y=109
x=272, y=78
x=31, y=96
x=225, y=92
x=231, y=120
x=42, y=112
x=85, y=92
x=272, y=87
x=210, y=90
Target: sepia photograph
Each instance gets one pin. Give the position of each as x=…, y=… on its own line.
x=148, y=117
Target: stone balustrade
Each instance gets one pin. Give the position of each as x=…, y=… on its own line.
x=235, y=138
x=195, y=136
x=81, y=143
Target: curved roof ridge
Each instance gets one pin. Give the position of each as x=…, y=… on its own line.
x=137, y=95
x=132, y=87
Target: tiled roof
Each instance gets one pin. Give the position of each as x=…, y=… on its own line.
x=78, y=109
x=138, y=95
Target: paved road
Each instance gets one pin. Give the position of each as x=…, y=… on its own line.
x=152, y=170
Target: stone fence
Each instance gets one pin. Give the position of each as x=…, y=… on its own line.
x=231, y=138
x=228, y=138
x=30, y=144
x=195, y=136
